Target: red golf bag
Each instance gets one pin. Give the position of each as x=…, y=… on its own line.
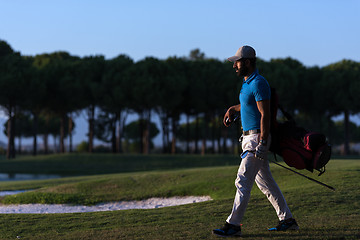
x=298, y=147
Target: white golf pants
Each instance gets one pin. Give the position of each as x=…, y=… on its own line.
x=253, y=169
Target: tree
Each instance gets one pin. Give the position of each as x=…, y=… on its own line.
x=231, y=85
x=343, y=87
x=208, y=93
x=23, y=123
x=115, y=99
x=37, y=94
x=286, y=75
x=63, y=89
x=91, y=70
x=14, y=81
x=187, y=132
x=170, y=98
x=132, y=129
x=146, y=75
x=48, y=125
x=196, y=54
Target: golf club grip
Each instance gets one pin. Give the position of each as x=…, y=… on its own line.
x=234, y=118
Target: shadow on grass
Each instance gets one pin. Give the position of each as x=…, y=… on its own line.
x=306, y=234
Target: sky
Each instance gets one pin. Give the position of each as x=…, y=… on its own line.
x=315, y=32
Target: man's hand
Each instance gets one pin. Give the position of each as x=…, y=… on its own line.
x=229, y=115
x=261, y=151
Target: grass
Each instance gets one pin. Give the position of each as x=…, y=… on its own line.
x=320, y=212
x=88, y=164
x=127, y=186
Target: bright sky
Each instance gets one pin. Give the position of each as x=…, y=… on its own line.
x=316, y=32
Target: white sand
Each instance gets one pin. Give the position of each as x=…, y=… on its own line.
x=4, y=193
x=113, y=206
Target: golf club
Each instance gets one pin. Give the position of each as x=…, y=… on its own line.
x=323, y=184
x=318, y=182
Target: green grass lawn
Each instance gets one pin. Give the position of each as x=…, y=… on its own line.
x=76, y=164
x=320, y=212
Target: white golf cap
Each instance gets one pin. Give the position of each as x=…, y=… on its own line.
x=243, y=52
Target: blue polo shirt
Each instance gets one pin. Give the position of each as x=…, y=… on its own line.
x=254, y=89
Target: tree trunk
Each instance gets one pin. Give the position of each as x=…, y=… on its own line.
x=35, y=131
x=167, y=134
x=70, y=133
x=213, y=137
x=330, y=128
x=46, y=135
x=146, y=133
x=18, y=126
x=346, y=132
x=187, y=133
x=55, y=145
x=10, y=153
x=148, y=137
x=91, y=115
x=174, y=134
x=196, y=134
x=46, y=143
x=225, y=137
x=204, y=135
x=203, y=146
x=19, y=147
x=62, y=133
x=219, y=140
x=165, y=129
x=141, y=132
x=113, y=133
x=122, y=121
x=13, y=152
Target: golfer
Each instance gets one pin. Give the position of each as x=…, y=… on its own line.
x=254, y=109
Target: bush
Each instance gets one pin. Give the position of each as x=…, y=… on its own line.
x=102, y=149
x=2, y=153
x=82, y=147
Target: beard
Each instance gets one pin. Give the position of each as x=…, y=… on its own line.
x=243, y=71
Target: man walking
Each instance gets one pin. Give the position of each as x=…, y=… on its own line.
x=254, y=109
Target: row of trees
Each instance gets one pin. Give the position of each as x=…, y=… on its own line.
x=53, y=88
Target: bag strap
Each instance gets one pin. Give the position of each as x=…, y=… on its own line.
x=286, y=114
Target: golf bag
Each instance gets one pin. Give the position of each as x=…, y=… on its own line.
x=298, y=147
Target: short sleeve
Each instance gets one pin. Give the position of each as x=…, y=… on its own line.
x=261, y=90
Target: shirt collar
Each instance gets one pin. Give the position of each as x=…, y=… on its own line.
x=251, y=77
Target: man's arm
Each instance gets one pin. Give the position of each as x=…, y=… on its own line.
x=264, y=109
x=228, y=115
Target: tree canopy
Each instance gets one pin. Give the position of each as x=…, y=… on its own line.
x=196, y=88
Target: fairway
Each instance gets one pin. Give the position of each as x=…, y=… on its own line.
x=89, y=164
x=320, y=212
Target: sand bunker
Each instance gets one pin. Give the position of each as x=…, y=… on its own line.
x=112, y=206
